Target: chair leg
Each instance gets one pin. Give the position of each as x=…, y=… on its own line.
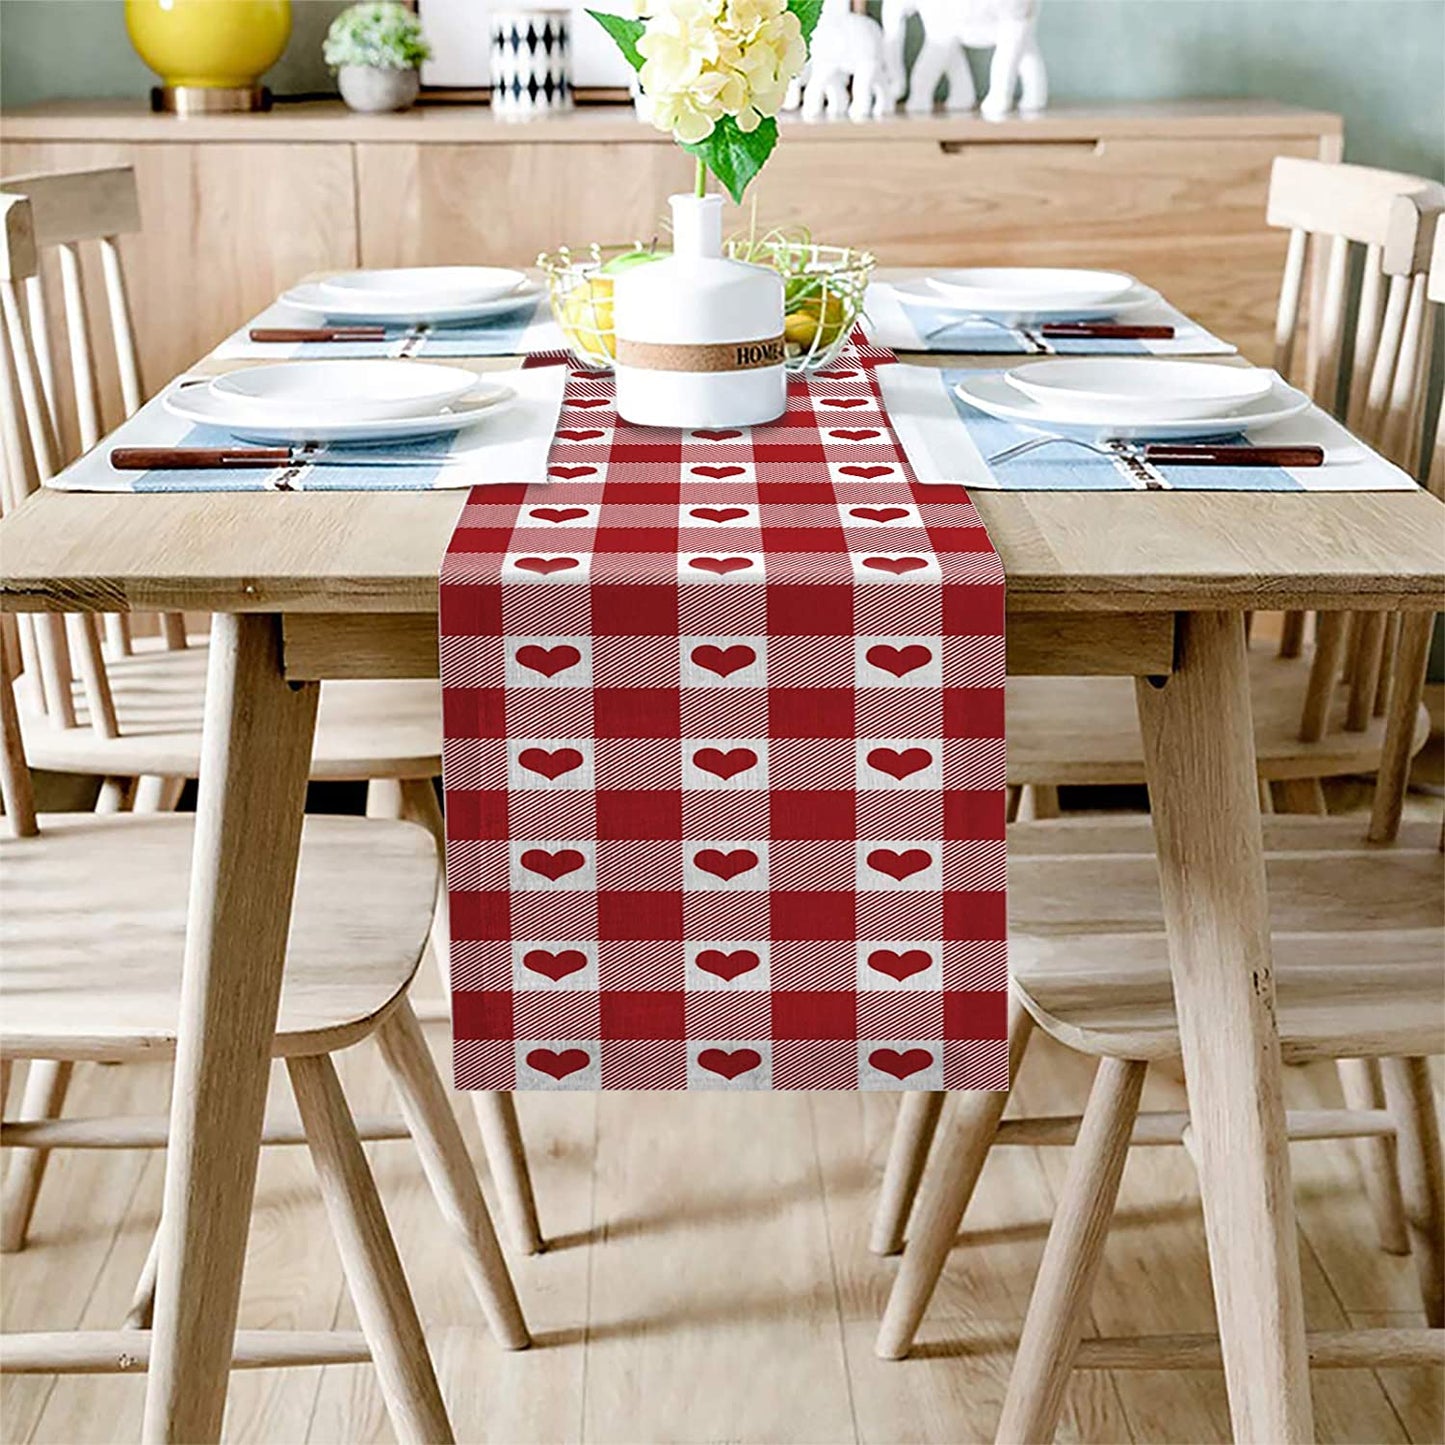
x=913, y=1132
x=1055, y=1321
x=1361, y=1086
x=419, y=805
x=368, y=1256
x=507, y=1159
x=1422, y=1184
x=958, y=1159
x=143, y=1301
x=449, y=1171
x=1043, y=798
x=46, y=1082
x=157, y=795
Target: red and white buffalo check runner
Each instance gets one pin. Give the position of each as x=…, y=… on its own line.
x=725, y=761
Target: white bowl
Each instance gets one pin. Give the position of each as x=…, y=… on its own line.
x=1030, y=288
x=1139, y=389
x=332, y=392
x=424, y=285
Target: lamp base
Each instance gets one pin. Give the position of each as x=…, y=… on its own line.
x=209, y=99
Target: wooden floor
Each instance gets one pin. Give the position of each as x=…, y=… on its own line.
x=709, y=1280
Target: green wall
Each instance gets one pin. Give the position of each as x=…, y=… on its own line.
x=1379, y=62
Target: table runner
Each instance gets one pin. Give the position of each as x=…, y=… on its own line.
x=724, y=762
x=947, y=441
x=510, y=446
x=907, y=322
x=528, y=328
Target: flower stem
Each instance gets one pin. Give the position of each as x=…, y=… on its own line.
x=700, y=189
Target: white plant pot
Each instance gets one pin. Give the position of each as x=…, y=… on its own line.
x=374, y=88
x=699, y=337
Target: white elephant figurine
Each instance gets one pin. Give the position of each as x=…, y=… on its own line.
x=847, y=50
x=950, y=29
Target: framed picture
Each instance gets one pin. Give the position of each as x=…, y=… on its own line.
x=460, y=67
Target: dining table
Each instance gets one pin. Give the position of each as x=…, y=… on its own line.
x=306, y=587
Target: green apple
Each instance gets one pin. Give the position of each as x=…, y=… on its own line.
x=628, y=259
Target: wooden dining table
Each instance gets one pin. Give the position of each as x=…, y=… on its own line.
x=307, y=587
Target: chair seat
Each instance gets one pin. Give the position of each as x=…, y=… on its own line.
x=1085, y=730
x=385, y=729
x=92, y=933
x=1359, y=938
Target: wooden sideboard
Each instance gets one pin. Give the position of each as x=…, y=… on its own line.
x=238, y=207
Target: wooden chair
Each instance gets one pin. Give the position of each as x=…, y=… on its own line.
x=1314, y=717
x=129, y=711
x=92, y=933
x=1359, y=937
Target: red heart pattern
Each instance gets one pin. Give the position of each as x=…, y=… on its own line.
x=556, y=898
x=898, y=765
x=900, y=661
x=724, y=661
x=900, y=1065
x=726, y=866
x=900, y=965
x=558, y=1065
x=552, y=865
x=725, y=764
x=730, y=1065
x=554, y=965
x=546, y=566
x=720, y=566
x=549, y=661
x=727, y=965
x=896, y=565
x=550, y=765
x=896, y=865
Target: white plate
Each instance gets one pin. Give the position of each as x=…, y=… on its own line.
x=330, y=392
x=202, y=407
x=1139, y=389
x=991, y=393
x=921, y=293
x=310, y=298
x=1031, y=288
x=424, y=285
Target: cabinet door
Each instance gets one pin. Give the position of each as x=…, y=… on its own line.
x=1186, y=216
x=226, y=227
x=503, y=203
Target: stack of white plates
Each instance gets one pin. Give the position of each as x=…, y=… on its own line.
x=334, y=401
x=1023, y=295
x=1129, y=397
x=409, y=295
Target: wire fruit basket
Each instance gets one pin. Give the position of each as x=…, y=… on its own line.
x=823, y=288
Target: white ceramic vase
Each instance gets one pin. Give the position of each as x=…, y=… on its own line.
x=699, y=337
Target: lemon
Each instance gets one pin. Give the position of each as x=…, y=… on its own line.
x=815, y=321
x=587, y=316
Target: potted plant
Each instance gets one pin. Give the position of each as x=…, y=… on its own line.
x=699, y=336
x=375, y=49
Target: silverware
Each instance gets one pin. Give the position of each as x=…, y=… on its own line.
x=1142, y=460
x=150, y=459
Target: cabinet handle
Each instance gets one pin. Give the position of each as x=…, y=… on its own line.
x=1025, y=147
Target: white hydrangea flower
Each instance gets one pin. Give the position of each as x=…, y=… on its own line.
x=704, y=59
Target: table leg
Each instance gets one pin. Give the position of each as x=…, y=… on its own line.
x=255, y=757
x=1199, y=752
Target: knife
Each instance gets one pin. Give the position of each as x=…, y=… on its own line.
x=285, y=334
x=1103, y=330
x=159, y=459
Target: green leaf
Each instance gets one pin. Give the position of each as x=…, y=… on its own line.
x=807, y=12
x=628, y=32
x=735, y=156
